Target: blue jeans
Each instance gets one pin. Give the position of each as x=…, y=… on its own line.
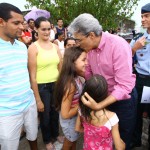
x=126, y=112
x=49, y=119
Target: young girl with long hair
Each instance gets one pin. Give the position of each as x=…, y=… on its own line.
x=67, y=92
x=100, y=127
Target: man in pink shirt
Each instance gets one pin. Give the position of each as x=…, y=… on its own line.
x=111, y=56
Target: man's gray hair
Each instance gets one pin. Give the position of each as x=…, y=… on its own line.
x=84, y=24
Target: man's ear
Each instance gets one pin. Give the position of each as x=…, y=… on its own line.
x=92, y=35
x=2, y=22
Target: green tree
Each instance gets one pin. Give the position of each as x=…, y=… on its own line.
x=108, y=12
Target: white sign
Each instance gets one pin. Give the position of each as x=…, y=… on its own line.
x=145, y=95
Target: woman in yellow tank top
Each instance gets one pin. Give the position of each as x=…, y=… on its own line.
x=44, y=65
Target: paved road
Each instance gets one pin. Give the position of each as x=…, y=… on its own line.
x=25, y=146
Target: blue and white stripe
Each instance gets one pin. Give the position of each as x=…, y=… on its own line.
x=15, y=92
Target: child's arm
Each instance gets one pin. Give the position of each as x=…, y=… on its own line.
x=118, y=142
x=66, y=110
x=78, y=126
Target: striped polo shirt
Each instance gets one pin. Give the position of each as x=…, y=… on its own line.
x=15, y=92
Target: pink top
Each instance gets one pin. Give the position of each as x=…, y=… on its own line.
x=79, y=86
x=99, y=138
x=113, y=60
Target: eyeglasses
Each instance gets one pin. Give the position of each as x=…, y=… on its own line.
x=80, y=40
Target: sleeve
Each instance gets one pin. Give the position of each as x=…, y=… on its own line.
x=114, y=119
x=124, y=78
x=132, y=43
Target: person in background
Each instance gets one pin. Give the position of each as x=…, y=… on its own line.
x=44, y=65
x=118, y=31
x=105, y=54
x=128, y=38
x=52, y=33
x=26, y=37
x=31, y=25
x=100, y=127
x=60, y=42
x=34, y=36
x=141, y=50
x=69, y=42
x=59, y=28
x=17, y=102
x=31, y=29
x=67, y=91
x=53, y=27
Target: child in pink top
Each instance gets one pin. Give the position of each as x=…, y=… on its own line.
x=67, y=93
x=100, y=127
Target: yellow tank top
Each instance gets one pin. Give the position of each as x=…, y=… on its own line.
x=47, y=64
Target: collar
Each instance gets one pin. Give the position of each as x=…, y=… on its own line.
x=8, y=42
x=102, y=42
x=146, y=35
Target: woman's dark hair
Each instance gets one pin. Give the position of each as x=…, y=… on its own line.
x=67, y=39
x=6, y=9
x=39, y=20
x=97, y=88
x=34, y=34
x=67, y=74
x=59, y=33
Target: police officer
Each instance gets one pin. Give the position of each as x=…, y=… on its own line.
x=141, y=48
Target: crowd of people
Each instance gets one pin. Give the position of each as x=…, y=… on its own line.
x=79, y=79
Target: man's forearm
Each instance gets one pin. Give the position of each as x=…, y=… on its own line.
x=108, y=101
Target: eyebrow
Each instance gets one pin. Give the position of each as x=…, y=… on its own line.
x=45, y=28
x=145, y=14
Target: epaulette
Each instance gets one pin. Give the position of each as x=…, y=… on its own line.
x=137, y=36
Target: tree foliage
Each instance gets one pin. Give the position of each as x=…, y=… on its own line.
x=108, y=12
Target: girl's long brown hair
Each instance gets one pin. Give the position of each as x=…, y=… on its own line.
x=67, y=74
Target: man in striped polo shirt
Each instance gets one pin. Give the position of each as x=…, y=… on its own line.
x=17, y=103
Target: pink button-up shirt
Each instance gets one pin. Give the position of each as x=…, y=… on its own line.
x=113, y=60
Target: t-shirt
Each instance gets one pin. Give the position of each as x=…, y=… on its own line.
x=15, y=92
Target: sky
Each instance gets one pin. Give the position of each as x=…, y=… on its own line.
x=136, y=16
